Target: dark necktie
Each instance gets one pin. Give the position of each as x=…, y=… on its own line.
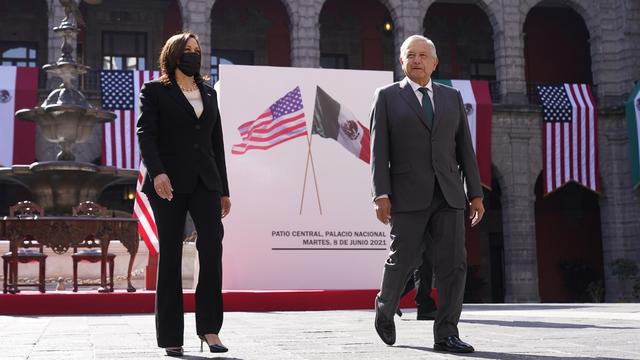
x=427, y=106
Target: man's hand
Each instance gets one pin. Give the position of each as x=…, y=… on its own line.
x=225, y=205
x=476, y=210
x=383, y=209
x=162, y=184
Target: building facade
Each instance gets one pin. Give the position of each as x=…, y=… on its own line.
x=530, y=247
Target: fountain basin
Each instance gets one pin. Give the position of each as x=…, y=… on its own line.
x=58, y=186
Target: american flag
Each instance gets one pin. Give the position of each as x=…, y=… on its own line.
x=120, y=91
x=570, y=141
x=282, y=121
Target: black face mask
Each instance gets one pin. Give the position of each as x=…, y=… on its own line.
x=189, y=63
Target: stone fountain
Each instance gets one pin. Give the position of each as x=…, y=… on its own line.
x=66, y=118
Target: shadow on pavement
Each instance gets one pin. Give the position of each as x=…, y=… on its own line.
x=516, y=307
x=508, y=356
x=548, y=325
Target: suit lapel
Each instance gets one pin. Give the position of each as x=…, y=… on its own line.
x=206, y=95
x=439, y=105
x=179, y=97
x=410, y=97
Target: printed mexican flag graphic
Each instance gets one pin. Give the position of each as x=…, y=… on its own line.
x=333, y=120
x=478, y=105
x=632, y=109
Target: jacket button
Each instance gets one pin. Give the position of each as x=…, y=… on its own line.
x=195, y=146
x=197, y=126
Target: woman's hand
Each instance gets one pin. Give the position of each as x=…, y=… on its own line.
x=225, y=204
x=162, y=184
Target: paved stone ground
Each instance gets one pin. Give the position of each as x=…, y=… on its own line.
x=498, y=331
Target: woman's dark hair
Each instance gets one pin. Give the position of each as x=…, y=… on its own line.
x=170, y=56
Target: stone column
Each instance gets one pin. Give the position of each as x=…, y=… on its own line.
x=508, y=43
x=619, y=202
x=408, y=18
x=305, y=32
x=516, y=153
x=196, y=17
x=609, y=53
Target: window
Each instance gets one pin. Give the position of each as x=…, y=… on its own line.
x=238, y=57
x=482, y=69
x=124, y=50
x=334, y=61
x=18, y=53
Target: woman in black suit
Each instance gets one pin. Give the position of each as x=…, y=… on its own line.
x=180, y=137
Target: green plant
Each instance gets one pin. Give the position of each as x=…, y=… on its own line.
x=578, y=275
x=626, y=270
x=595, y=290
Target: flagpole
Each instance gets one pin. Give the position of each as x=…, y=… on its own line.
x=313, y=170
x=306, y=170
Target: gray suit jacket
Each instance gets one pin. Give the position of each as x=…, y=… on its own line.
x=407, y=156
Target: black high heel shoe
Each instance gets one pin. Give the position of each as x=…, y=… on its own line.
x=175, y=352
x=215, y=348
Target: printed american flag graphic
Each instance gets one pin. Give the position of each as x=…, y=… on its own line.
x=570, y=143
x=280, y=122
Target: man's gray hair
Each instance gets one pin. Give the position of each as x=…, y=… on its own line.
x=412, y=38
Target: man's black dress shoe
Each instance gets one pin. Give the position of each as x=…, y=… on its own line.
x=453, y=344
x=427, y=314
x=175, y=351
x=399, y=312
x=385, y=328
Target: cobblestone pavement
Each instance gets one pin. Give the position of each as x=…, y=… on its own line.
x=497, y=331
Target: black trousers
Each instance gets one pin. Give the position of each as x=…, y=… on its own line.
x=170, y=216
x=411, y=232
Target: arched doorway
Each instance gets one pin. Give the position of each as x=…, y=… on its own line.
x=463, y=37
x=356, y=34
x=556, y=47
x=569, y=244
x=249, y=32
x=485, y=250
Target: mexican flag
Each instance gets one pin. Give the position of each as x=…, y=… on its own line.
x=479, y=108
x=632, y=109
x=333, y=120
x=18, y=90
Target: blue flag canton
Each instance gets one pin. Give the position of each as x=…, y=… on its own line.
x=556, y=106
x=287, y=104
x=116, y=87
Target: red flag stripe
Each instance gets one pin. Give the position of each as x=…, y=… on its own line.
x=24, y=132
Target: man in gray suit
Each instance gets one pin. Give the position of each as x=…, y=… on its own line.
x=421, y=153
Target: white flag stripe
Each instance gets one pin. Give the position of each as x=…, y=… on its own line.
x=464, y=86
x=8, y=76
x=584, y=151
x=268, y=125
x=107, y=143
x=275, y=130
x=592, y=136
x=272, y=141
x=549, y=172
x=557, y=152
x=566, y=175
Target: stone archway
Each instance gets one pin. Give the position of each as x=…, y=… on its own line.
x=353, y=38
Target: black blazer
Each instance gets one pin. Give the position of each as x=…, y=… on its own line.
x=173, y=140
